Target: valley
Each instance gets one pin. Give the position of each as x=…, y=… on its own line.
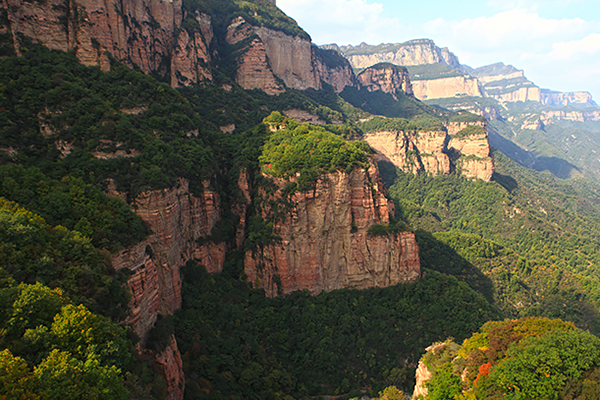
x=197, y=202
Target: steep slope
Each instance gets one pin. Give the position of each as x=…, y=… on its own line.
x=461, y=147
x=325, y=201
x=413, y=52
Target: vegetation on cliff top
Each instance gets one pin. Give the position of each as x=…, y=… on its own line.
x=309, y=150
x=532, y=358
x=255, y=12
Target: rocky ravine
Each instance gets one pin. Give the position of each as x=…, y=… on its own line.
x=437, y=152
x=177, y=219
x=324, y=242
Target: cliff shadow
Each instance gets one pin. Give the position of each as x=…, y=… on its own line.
x=556, y=166
x=506, y=181
x=439, y=256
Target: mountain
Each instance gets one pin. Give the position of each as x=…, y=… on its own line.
x=236, y=213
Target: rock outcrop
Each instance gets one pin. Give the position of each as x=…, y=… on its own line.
x=506, y=83
x=177, y=219
x=324, y=241
x=254, y=70
x=144, y=33
x=438, y=152
x=171, y=366
x=272, y=60
x=386, y=77
x=414, y=152
x=549, y=117
x=333, y=68
x=473, y=150
x=413, y=52
x=564, y=99
x=455, y=86
x=423, y=374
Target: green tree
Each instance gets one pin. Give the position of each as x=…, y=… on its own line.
x=17, y=382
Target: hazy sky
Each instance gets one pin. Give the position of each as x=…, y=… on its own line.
x=557, y=43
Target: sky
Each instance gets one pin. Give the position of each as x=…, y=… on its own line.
x=556, y=42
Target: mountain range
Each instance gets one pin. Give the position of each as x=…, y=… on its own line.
x=236, y=212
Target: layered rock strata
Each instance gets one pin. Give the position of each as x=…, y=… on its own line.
x=475, y=157
x=387, y=78
x=455, y=86
x=177, y=219
x=333, y=69
x=560, y=99
x=144, y=33
x=324, y=242
x=437, y=152
x=413, y=52
x=272, y=60
x=411, y=151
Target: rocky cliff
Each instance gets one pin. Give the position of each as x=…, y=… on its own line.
x=469, y=141
x=144, y=33
x=333, y=68
x=411, y=151
x=324, y=242
x=455, y=86
x=413, y=52
x=387, y=78
x=564, y=99
x=462, y=147
x=423, y=374
x=177, y=219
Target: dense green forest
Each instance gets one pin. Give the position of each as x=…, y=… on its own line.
x=532, y=358
x=523, y=245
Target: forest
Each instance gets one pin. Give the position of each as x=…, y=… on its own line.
x=509, y=267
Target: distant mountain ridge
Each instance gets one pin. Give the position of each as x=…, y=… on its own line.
x=498, y=81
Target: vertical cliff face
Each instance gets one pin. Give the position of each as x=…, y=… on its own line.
x=273, y=60
x=462, y=147
x=560, y=99
x=387, y=78
x=413, y=52
x=291, y=58
x=254, y=70
x=324, y=241
x=446, y=87
x=190, y=55
x=144, y=33
x=473, y=149
x=177, y=219
x=414, y=152
x=333, y=68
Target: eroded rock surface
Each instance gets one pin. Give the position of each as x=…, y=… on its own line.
x=324, y=241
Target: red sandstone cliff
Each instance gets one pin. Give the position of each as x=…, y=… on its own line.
x=334, y=69
x=177, y=219
x=387, y=78
x=145, y=33
x=414, y=152
x=324, y=241
x=431, y=152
